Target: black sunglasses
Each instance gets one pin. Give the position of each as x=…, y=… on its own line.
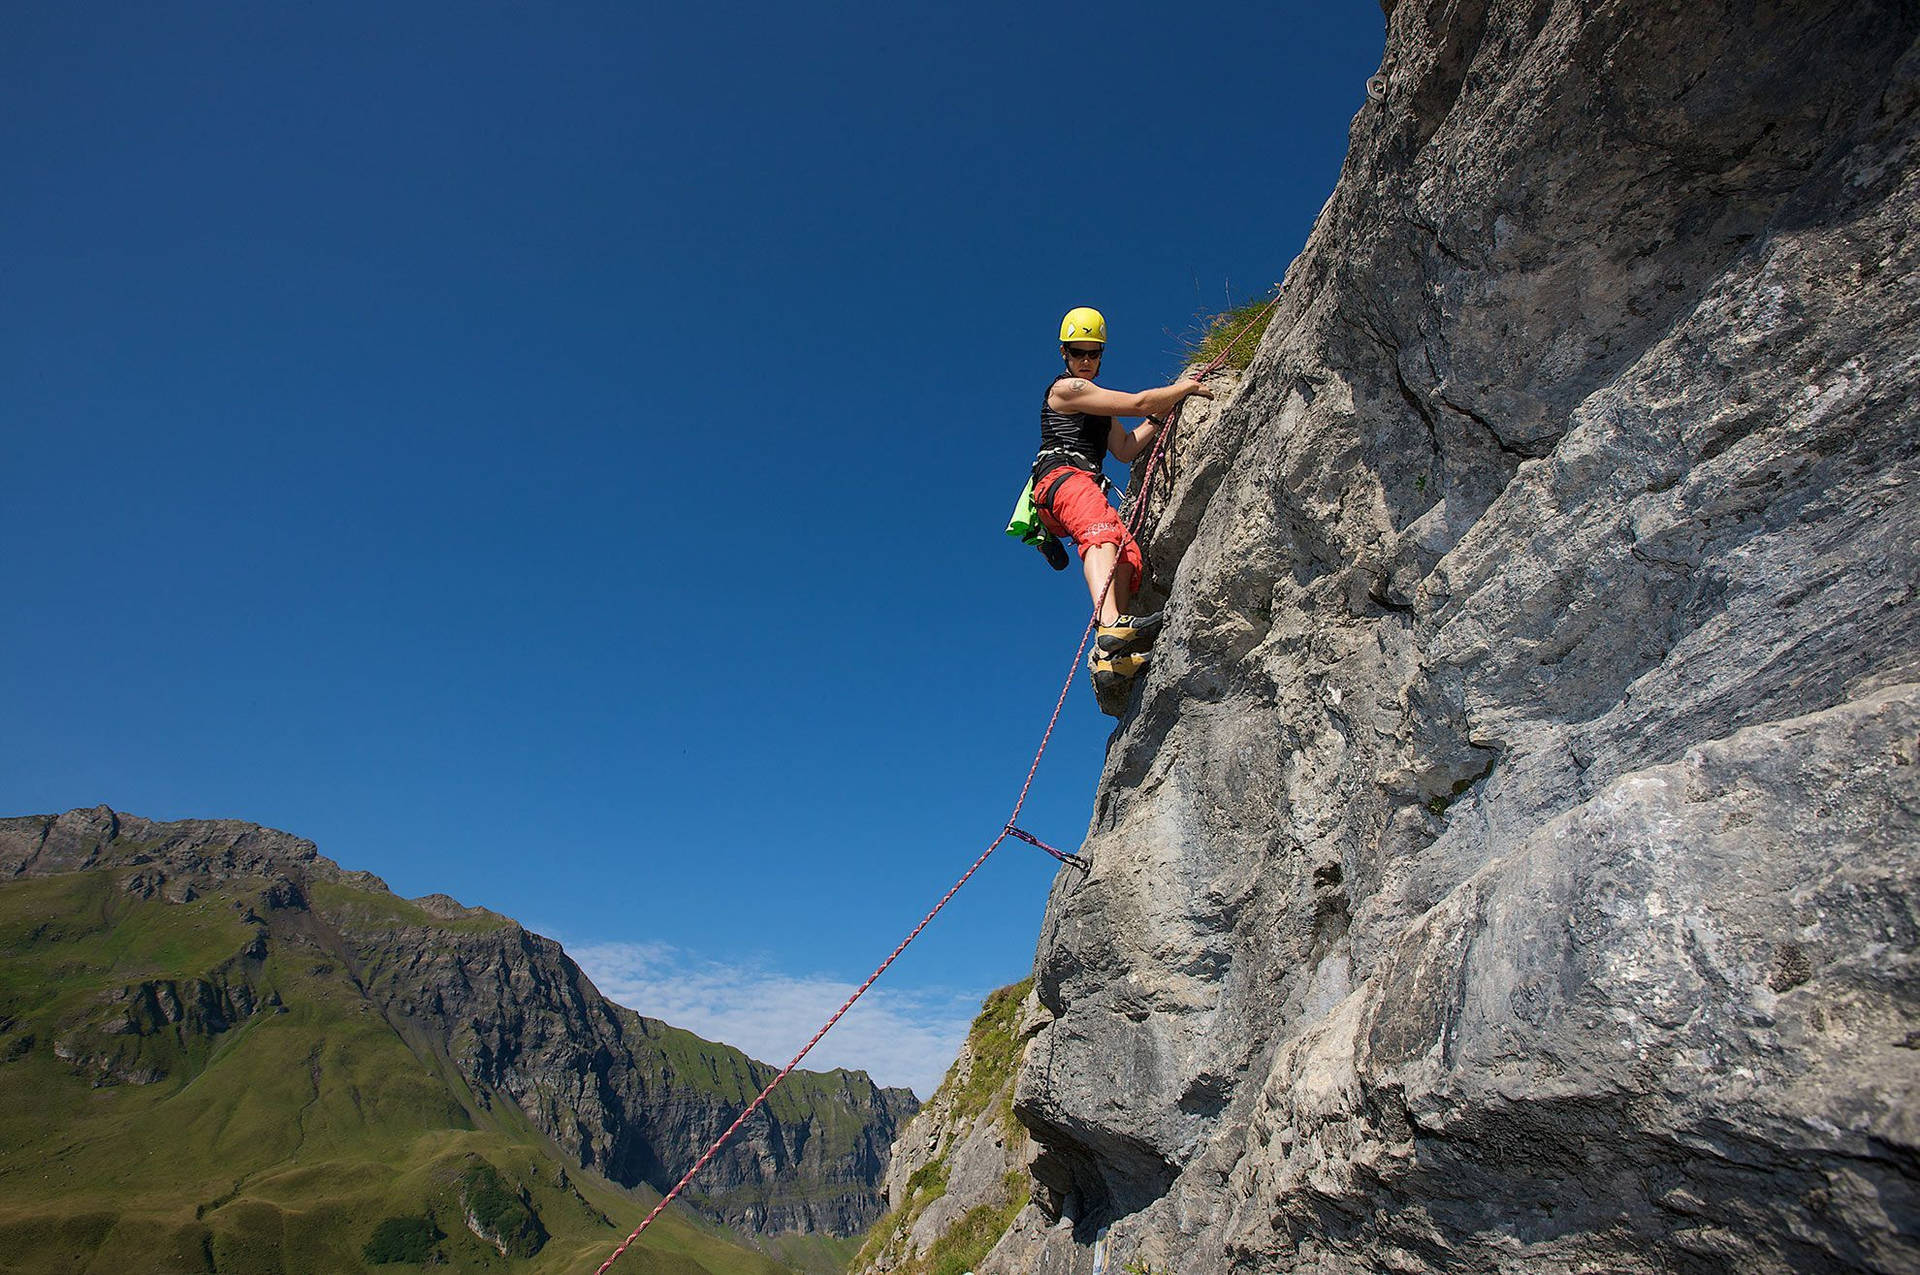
x=1076, y=352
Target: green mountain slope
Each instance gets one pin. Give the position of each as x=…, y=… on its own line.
x=221, y=1059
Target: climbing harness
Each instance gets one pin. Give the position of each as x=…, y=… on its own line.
x=1009, y=829
x=1051, y=458
x=1054, y=458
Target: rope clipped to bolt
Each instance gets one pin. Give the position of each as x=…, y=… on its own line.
x=1007, y=829
x=1071, y=859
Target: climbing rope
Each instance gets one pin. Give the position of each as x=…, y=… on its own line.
x=1007, y=830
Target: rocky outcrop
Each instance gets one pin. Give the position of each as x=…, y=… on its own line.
x=473, y=995
x=1508, y=862
x=501, y=1217
x=110, y=1040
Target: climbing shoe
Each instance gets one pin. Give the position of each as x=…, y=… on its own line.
x=1112, y=678
x=1126, y=635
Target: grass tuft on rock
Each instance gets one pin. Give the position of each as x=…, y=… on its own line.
x=1214, y=334
x=996, y=1049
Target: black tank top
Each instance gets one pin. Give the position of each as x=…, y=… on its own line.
x=1076, y=432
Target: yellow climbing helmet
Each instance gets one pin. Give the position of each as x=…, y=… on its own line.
x=1083, y=323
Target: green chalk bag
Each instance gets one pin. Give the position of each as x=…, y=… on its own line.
x=1025, y=525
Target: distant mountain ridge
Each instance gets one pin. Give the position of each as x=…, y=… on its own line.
x=159, y=946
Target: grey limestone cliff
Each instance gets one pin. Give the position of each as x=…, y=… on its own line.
x=1509, y=862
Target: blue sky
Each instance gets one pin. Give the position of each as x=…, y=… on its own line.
x=556, y=455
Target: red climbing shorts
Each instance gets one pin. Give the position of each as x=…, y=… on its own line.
x=1078, y=510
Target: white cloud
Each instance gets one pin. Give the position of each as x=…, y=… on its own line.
x=898, y=1037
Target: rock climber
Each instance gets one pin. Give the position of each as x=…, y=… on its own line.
x=1078, y=430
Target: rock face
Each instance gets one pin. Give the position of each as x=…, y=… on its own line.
x=1509, y=862
x=474, y=993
